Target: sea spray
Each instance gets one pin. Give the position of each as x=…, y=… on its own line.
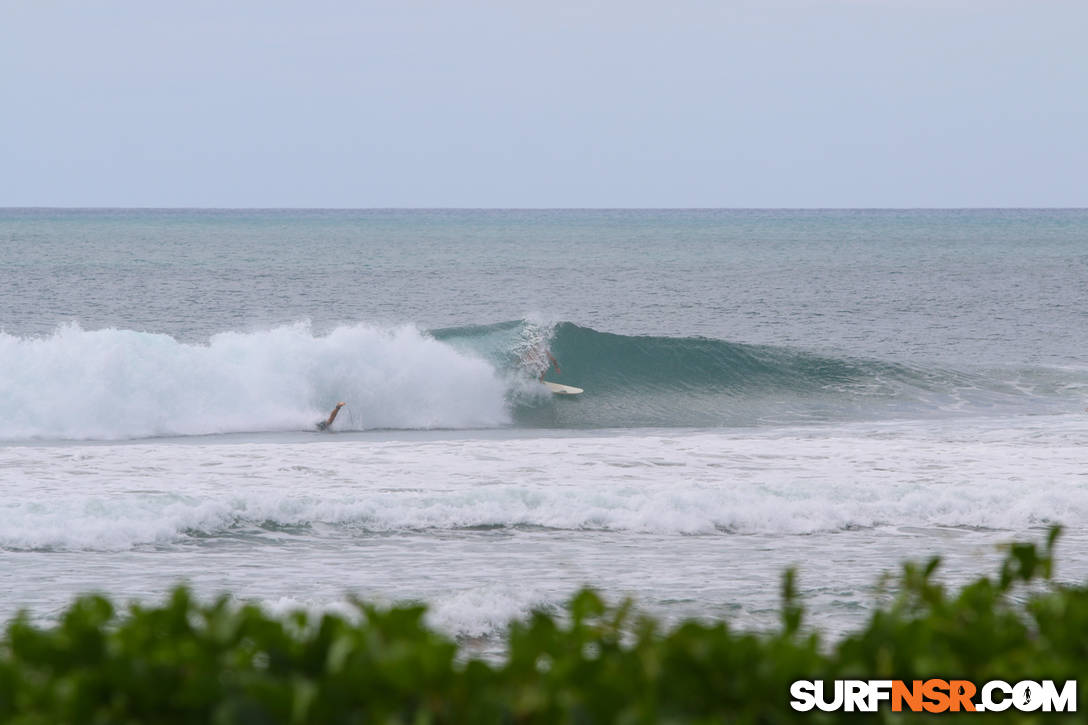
x=117, y=384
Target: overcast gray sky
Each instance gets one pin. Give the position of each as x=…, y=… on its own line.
x=824, y=103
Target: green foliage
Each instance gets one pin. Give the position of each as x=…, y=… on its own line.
x=186, y=662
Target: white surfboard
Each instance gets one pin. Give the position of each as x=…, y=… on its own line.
x=559, y=389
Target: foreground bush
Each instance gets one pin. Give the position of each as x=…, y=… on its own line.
x=185, y=662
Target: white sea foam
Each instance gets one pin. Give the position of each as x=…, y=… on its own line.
x=477, y=612
x=486, y=526
x=483, y=610
x=116, y=384
x=800, y=482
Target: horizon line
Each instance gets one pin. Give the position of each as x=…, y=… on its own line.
x=540, y=208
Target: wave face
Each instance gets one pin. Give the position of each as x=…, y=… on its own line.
x=115, y=384
x=633, y=381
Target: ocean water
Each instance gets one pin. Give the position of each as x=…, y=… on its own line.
x=832, y=390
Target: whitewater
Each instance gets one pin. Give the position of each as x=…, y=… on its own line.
x=116, y=384
x=487, y=526
x=836, y=391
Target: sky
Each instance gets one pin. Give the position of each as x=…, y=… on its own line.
x=607, y=103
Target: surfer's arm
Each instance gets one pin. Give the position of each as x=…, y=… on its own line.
x=551, y=361
x=332, y=417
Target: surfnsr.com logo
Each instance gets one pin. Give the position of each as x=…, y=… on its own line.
x=934, y=695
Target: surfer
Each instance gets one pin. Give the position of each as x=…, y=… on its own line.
x=532, y=360
x=325, y=424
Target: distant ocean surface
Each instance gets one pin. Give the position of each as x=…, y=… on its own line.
x=834, y=390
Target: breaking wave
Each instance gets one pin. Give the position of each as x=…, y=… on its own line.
x=117, y=384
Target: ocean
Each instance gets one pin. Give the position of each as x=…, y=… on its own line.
x=837, y=391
